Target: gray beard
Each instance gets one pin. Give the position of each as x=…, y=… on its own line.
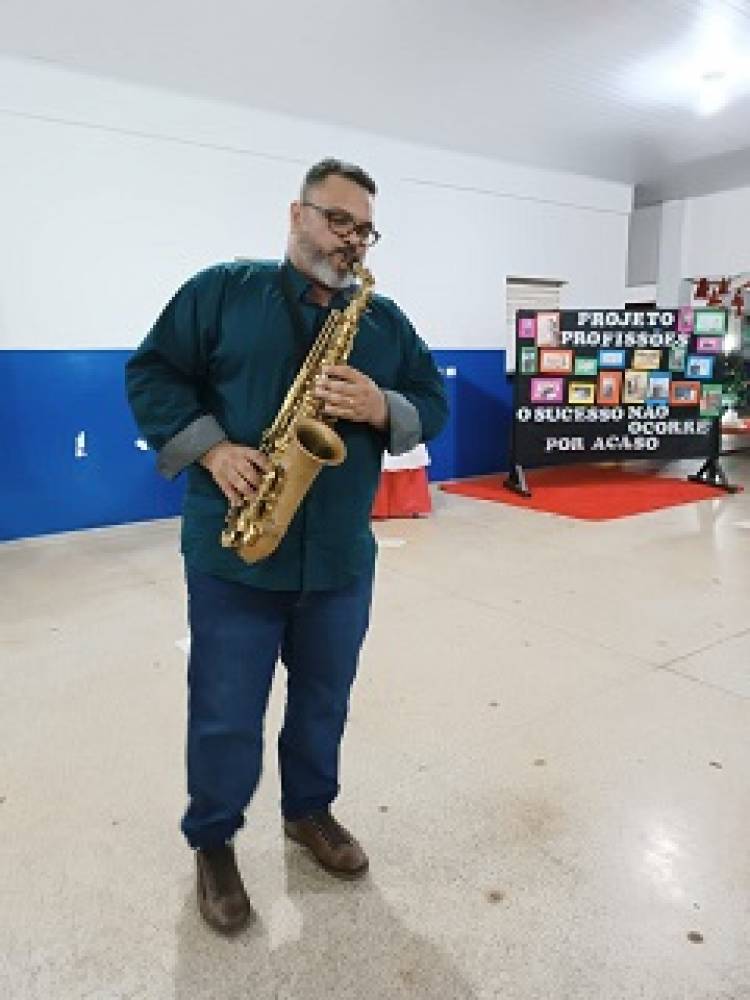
x=319, y=267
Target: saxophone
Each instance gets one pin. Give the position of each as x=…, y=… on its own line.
x=299, y=442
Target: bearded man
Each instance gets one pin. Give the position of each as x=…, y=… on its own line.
x=205, y=383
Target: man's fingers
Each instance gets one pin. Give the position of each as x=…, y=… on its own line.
x=342, y=400
x=244, y=480
x=253, y=457
x=238, y=471
x=234, y=498
x=250, y=471
x=344, y=372
x=343, y=412
x=336, y=397
x=342, y=375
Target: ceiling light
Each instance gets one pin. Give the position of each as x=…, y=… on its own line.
x=705, y=68
x=713, y=93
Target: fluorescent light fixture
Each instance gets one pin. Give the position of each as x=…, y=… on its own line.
x=704, y=70
x=713, y=95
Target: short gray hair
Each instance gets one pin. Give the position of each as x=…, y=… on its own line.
x=337, y=168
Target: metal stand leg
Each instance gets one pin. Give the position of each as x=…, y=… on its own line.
x=712, y=474
x=516, y=481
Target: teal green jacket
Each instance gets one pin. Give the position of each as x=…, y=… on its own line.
x=217, y=364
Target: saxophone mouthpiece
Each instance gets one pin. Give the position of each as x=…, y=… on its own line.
x=362, y=274
x=350, y=256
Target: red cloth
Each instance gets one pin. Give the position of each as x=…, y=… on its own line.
x=402, y=494
x=589, y=493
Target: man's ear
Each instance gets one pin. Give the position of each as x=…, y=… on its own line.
x=295, y=213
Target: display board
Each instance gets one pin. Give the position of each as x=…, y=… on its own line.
x=612, y=385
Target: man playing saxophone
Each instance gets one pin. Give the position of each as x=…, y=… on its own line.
x=205, y=385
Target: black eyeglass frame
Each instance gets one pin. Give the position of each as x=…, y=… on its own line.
x=363, y=230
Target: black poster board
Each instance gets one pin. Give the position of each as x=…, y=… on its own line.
x=602, y=385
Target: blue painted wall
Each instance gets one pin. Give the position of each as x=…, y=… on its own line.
x=48, y=397
x=477, y=437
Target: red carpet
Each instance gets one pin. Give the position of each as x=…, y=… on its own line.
x=589, y=493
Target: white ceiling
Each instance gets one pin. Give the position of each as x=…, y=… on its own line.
x=602, y=87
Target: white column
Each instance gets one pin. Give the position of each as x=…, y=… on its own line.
x=670, y=290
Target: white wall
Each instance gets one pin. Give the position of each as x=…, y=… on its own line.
x=717, y=234
x=641, y=293
x=643, y=249
x=706, y=236
x=112, y=194
x=670, y=291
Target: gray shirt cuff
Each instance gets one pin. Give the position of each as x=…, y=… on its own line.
x=188, y=446
x=405, y=427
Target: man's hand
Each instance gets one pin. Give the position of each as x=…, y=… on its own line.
x=350, y=395
x=236, y=469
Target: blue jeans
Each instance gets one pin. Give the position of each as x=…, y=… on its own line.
x=237, y=634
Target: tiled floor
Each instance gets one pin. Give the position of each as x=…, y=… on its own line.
x=547, y=760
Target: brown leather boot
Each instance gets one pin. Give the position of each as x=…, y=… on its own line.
x=222, y=899
x=333, y=847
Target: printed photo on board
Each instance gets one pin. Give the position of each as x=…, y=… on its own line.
x=710, y=345
x=609, y=388
x=548, y=329
x=609, y=358
x=685, y=320
x=711, y=401
x=546, y=390
x=646, y=359
x=528, y=360
x=527, y=328
x=677, y=358
x=556, y=361
x=634, y=387
x=699, y=367
x=657, y=390
x=581, y=393
x=685, y=393
x=586, y=366
x=710, y=321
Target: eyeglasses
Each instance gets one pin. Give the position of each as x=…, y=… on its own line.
x=343, y=224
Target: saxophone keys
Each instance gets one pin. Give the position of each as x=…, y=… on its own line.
x=250, y=534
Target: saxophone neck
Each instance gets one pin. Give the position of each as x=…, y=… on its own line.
x=361, y=297
x=364, y=277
